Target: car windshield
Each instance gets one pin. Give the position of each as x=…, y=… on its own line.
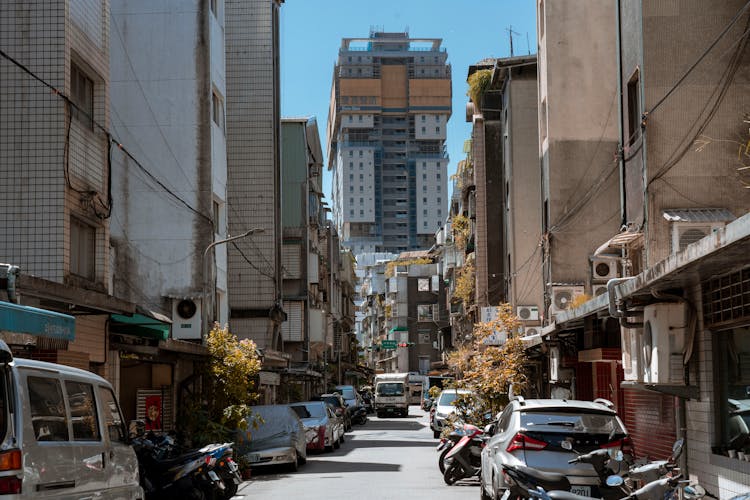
x=447, y=398
x=301, y=411
x=590, y=423
x=333, y=400
x=391, y=389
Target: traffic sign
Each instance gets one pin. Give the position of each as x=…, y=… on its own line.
x=388, y=344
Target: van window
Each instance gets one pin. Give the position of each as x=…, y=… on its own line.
x=113, y=421
x=82, y=411
x=47, y=409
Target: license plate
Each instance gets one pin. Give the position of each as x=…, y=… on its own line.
x=580, y=490
x=214, y=476
x=253, y=457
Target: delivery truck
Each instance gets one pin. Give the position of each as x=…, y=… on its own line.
x=392, y=394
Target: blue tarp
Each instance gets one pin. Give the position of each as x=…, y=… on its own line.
x=16, y=318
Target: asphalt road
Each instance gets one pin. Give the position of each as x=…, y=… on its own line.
x=385, y=459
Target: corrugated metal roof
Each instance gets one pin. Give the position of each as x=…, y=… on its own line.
x=698, y=215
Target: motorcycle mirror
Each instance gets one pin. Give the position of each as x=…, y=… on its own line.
x=616, y=455
x=677, y=449
x=566, y=445
x=694, y=491
x=615, y=480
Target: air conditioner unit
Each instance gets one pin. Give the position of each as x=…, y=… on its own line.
x=554, y=363
x=531, y=330
x=631, y=354
x=604, y=269
x=598, y=289
x=663, y=343
x=562, y=296
x=685, y=234
x=528, y=313
x=186, y=319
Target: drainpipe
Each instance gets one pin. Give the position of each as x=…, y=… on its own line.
x=623, y=193
x=12, y=273
x=614, y=306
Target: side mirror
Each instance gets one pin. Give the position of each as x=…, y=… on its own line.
x=616, y=455
x=136, y=429
x=677, y=449
x=614, y=480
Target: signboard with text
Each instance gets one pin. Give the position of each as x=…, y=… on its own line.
x=388, y=344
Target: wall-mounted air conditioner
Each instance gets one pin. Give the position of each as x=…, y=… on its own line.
x=604, y=269
x=683, y=234
x=663, y=343
x=631, y=354
x=562, y=296
x=531, y=330
x=598, y=289
x=528, y=313
x=186, y=319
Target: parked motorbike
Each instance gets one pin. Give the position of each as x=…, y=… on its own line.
x=167, y=475
x=464, y=458
x=446, y=443
x=359, y=416
x=225, y=467
x=526, y=482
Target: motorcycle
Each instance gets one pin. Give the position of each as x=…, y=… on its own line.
x=464, y=458
x=359, y=416
x=224, y=467
x=446, y=443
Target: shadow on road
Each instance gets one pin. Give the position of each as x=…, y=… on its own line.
x=389, y=443
x=322, y=467
x=391, y=425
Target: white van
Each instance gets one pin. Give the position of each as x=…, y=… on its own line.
x=63, y=435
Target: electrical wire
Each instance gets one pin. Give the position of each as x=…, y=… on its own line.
x=103, y=129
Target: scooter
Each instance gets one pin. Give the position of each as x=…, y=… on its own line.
x=464, y=458
x=359, y=416
x=446, y=443
x=224, y=467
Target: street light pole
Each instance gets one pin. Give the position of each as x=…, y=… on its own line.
x=204, y=325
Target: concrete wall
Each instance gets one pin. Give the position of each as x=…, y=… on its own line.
x=578, y=81
x=162, y=110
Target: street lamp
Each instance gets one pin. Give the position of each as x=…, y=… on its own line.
x=204, y=325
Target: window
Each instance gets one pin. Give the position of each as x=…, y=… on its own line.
x=350, y=118
x=82, y=411
x=359, y=118
x=437, y=118
x=361, y=165
x=360, y=153
x=351, y=177
x=351, y=213
x=439, y=200
x=424, y=118
x=424, y=130
x=437, y=130
x=424, y=212
x=423, y=284
x=361, y=201
x=82, y=96
x=48, y=415
x=82, y=249
x=217, y=106
x=424, y=200
x=424, y=188
x=113, y=420
x=351, y=201
x=361, y=189
x=351, y=189
x=351, y=164
x=361, y=177
x=351, y=153
x=424, y=337
x=437, y=176
x=424, y=312
x=424, y=177
x=424, y=164
x=439, y=189
x=634, y=109
x=361, y=212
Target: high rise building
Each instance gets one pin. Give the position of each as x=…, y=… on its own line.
x=389, y=110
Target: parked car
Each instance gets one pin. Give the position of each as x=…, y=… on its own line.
x=444, y=408
x=339, y=406
x=530, y=433
x=279, y=438
x=50, y=417
x=323, y=429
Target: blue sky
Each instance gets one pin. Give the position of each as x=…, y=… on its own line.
x=311, y=33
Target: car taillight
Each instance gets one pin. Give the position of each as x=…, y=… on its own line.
x=523, y=442
x=10, y=484
x=10, y=460
x=322, y=433
x=625, y=444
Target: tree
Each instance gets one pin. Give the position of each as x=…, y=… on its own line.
x=489, y=370
x=223, y=406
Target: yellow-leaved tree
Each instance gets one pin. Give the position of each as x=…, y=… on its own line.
x=222, y=404
x=488, y=369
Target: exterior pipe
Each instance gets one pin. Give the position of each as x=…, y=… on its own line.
x=614, y=309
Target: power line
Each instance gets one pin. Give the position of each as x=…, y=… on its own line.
x=102, y=128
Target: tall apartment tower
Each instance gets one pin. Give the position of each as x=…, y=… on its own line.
x=389, y=110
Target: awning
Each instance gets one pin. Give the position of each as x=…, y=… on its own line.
x=150, y=325
x=16, y=318
x=698, y=215
x=616, y=242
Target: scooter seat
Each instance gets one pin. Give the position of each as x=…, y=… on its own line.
x=547, y=480
x=566, y=495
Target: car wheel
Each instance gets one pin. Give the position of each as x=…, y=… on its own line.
x=336, y=445
x=435, y=434
x=341, y=439
x=294, y=466
x=302, y=460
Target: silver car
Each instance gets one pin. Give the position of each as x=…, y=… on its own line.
x=531, y=432
x=444, y=407
x=324, y=430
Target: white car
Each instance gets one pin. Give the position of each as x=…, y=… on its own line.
x=444, y=407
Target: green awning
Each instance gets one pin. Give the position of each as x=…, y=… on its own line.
x=139, y=325
x=399, y=329
x=16, y=318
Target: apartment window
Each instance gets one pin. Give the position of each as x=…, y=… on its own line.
x=82, y=249
x=424, y=130
x=350, y=118
x=351, y=201
x=424, y=189
x=424, y=164
x=437, y=130
x=423, y=284
x=217, y=106
x=440, y=212
x=359, y=71
x=351, y=189
x=351, y=213
x=424, y=212
x=360, y=153
x=439, y=200
x=351, y=153
x=361, y=189
x=351, y=177
x=349, y=59
x=437, y=118
x=424, y=118
x=424, y=312
x=82, y=96
x=361, y=201
x=424, y=338
x=351, y=165
x=424, y=177
x=359, y=117
x=424, y=200
x=634, y=108
x=421, y=71
x=361, y=177
x=439, y=189
x=359, y=58
x=361, y=212
x=361, y=165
